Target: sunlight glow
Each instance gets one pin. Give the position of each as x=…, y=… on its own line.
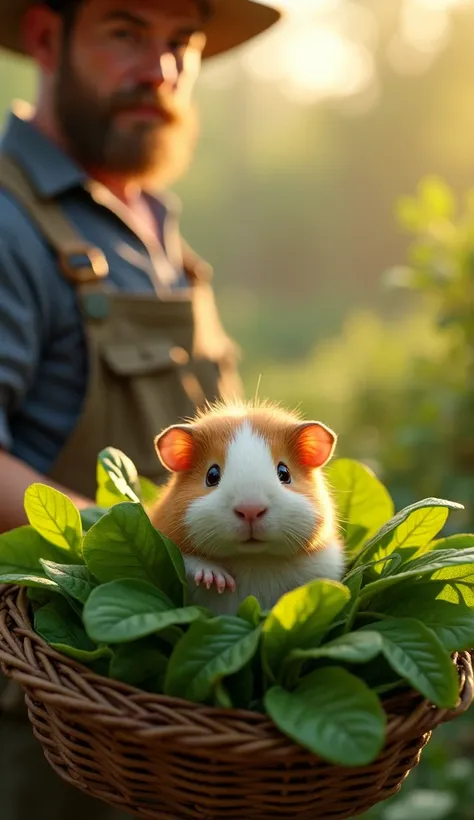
x=423, y=31
x=324, y=49
x=315, y=62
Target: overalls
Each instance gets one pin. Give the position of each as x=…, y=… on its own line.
x=153, y=360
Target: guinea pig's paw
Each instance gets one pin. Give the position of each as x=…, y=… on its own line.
x=211, y=574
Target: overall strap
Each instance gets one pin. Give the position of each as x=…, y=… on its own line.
x=195, y=268
x=80, y=262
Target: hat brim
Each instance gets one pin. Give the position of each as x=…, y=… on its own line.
x=233, y=23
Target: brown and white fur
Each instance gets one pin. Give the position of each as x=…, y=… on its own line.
x=254, y=532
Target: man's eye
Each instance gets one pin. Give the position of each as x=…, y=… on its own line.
x=125, y=34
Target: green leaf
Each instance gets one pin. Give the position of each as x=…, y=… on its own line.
x=459, y=572
x=207, y=653
x=117, y=478
x=298, y=617
x=75, y=580
x=107, y=494
x=126, y=610
x=175, y=558
x=447, y=609
x=353, y=584
x=415, y=653
x=355, y=577
x=42, y=596
x=239, y=687
x=454, y=560
x=125, y=544
x=363, y=503
x=411, y=537
x=333, y=714
x=355, y=647
x=250, y=610
x=82, y=655
x=54, y=516
x=400, y=518
x=222, y=697
x=139, y=663
x=454, y=542
x=59, y=625
x=91, y=515
x=20, y=552
x=28, y=580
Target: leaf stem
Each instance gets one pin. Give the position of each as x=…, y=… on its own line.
x=352, y=615
x=376, y=615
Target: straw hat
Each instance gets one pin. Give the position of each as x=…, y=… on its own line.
x=232, y=23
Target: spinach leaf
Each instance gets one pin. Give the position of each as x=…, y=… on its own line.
x=399, y=519
x=363, y=503
x=123, y=611
x=117, y=478
x=62, y=629
x=333, y=714
x=55, y=517
x=298, y=619
x=74, y=580
x=210, y=651
x=125, y=544
x=416, y=654
x=447, y=609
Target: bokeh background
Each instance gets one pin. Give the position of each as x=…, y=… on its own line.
x=333, y=193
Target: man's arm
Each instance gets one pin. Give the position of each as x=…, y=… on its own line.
x=25, y=315
x=15, y=478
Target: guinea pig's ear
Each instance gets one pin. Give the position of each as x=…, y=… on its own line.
x=175, y=448
x=314, y=444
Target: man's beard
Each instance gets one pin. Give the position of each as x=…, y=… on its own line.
x=156, y=150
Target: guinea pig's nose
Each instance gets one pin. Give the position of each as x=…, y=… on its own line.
x=250, y=512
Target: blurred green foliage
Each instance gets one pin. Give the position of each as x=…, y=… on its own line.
x=400, y=391
x=431, y=448
x=401, y=395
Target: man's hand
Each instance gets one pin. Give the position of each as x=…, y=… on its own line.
x=15, y=478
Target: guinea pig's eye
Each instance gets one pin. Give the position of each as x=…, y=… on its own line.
x=283, y=473
x=213, y=476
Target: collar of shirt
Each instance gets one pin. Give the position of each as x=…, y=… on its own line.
x=52, y=170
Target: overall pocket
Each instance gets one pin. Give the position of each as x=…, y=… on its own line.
x=151, y=385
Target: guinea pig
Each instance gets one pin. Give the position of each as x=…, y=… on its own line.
x=247, y=503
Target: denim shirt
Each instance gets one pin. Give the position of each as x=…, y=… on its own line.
x=43, y=361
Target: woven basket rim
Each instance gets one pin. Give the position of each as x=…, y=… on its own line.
x=64, y=683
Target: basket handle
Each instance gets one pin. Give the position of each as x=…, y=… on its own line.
x=465, y=665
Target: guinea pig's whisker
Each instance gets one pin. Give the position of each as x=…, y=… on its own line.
x=211, y=544
x=295, y=539
x=186, y=543
x=189, y=543
x=205, y=537
x=173, y=531
x=289, y=540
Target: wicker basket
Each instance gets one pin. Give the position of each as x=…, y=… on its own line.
x=166, y=759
